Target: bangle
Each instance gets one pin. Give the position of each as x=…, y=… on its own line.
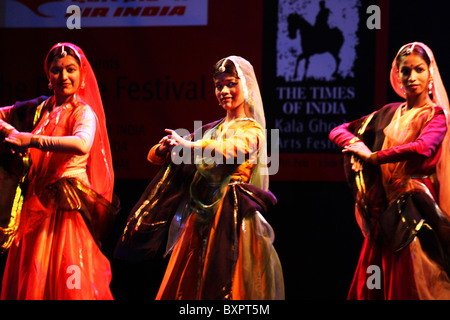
x=353, y=140
x=34, y=143
x=374, y=158
x=6, y=130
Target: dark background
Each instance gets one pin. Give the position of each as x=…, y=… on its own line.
x=316, y=235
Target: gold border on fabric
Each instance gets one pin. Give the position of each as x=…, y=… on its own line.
x=359, y=176
x=10, y=231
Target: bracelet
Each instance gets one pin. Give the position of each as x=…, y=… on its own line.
x=353, y=140
x=34, y=143
x=374, y=158
x=6, y=130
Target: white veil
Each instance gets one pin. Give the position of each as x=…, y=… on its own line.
x=246, y=73
x=439, y=97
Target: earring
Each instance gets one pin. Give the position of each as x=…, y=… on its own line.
x=50, y=86
x=83, y=84
x=430, y=87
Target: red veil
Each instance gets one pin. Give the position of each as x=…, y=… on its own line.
x=100, y=169
x=54, y=234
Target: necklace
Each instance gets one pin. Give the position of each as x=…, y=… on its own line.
x=405, y=109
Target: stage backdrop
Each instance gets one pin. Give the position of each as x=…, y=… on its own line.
x=315, y=61
x=319, y=71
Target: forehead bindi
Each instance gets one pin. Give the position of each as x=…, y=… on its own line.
x=65, y=61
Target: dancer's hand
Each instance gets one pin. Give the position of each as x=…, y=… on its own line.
x=19, y=141
x=178, y=139
x=362, y=151
x=165, y=146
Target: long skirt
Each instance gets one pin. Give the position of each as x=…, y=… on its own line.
x=226, y=257
x=408, y=261
x=55, y=256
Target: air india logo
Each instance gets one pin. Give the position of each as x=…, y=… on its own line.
x=34, y=5
x=75, y=14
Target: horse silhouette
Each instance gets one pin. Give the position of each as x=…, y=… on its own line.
x=313, y=40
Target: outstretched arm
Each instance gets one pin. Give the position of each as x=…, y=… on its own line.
x=80, y=142
x=243, y=141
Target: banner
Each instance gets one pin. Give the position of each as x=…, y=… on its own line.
x=76, y=14
x=319, y=66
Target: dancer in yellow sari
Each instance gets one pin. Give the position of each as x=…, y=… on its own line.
x=212, y=203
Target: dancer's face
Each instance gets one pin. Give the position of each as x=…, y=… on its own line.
x=64, y=76
x=414, y=74
x=229, y=91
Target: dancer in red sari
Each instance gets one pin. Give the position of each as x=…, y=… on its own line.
x=67, y=209
x=397, y=161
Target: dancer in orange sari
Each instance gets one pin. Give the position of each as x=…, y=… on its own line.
x=212, y=203
x=67, y=208
x=399, y=157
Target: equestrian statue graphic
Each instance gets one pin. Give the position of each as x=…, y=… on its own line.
x=315, y=39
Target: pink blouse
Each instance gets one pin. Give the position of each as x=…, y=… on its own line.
x=426, y=146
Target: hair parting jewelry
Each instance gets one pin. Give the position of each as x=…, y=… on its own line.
x=63, y=52
x=222, y=67
x=411, y=49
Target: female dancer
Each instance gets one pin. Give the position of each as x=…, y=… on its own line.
x=67, y=210
x=220, y=244
x=399, y=156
